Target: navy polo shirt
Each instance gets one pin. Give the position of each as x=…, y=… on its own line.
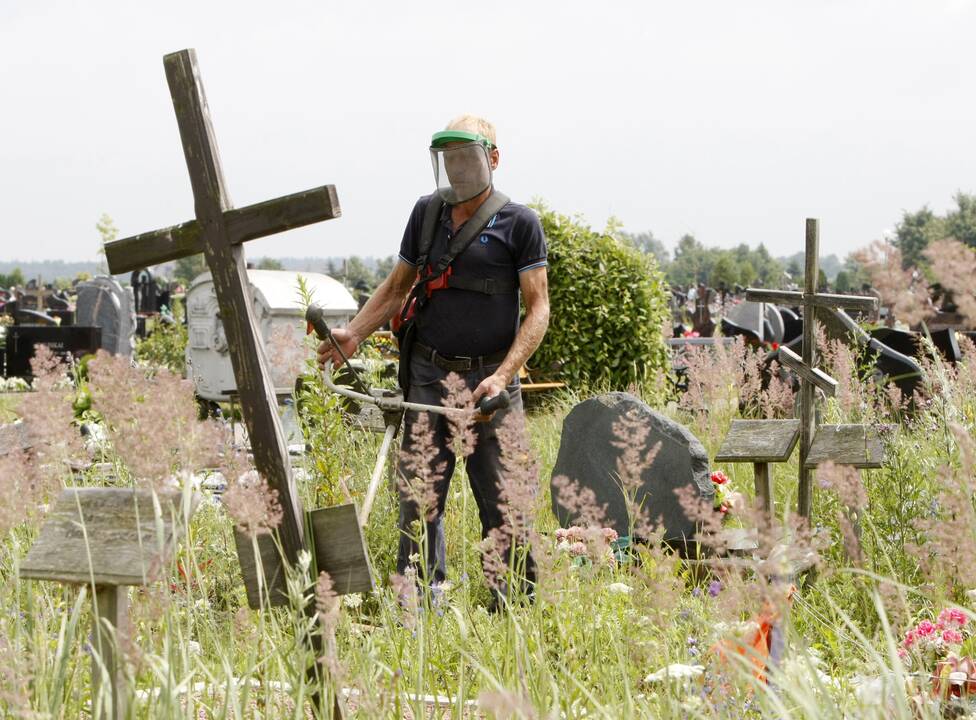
x=463, y=322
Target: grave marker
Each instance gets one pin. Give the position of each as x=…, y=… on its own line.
x=810, y=300
x=588, y=456
x=219, y=231
x=107, y=538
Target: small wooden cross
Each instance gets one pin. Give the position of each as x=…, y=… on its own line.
x=805, y=367
x=219, y=231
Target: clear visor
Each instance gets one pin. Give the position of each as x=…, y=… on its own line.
x=461, y=172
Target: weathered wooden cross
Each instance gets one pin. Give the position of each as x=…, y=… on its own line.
x=219, y=232
x=767, y=441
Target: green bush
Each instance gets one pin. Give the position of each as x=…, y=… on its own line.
x=608, y=304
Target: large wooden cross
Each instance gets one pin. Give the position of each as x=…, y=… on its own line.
x=219, y=231
x=835, y=441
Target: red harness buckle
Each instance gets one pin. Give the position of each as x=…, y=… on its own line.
x=439, y=282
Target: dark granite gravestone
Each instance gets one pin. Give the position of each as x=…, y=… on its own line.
x=587, y=455
x=66, y=342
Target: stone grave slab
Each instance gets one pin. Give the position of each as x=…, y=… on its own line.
x=588, y=456
x=105, y=536
x=946, y=343
x=855, y=445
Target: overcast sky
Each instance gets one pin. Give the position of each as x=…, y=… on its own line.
x=729, y=120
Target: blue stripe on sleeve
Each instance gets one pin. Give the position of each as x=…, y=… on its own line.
x=540, y=263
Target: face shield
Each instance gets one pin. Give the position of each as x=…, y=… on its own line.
x=462, y=165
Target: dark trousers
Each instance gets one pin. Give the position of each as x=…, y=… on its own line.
x=483, y=466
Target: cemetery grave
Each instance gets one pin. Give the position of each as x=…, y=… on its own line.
x=672, y=536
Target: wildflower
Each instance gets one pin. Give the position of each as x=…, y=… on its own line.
x=714, y=588
x=405, y=590
x=719, y=477
x=253, y=505
x=352, y=600
x=675, y=671
x=620, y=588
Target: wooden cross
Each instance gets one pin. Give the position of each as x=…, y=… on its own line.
x=834, y=444
x=219, y=231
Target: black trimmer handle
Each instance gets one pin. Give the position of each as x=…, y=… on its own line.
x=315, y=317
x=487, y=405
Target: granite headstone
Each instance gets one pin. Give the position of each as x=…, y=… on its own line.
x=588, y=456
x=104, y=303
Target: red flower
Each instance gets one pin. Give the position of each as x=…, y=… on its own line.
x=719, y=477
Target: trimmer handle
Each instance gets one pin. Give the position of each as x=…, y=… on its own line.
x=487, y=405
x=315, y=317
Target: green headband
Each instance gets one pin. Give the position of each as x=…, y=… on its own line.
x=446, y=136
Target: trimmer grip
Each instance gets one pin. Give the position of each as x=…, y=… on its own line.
x=315, y=317
x=486, y=406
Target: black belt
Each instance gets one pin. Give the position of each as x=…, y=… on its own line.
x=457, y=363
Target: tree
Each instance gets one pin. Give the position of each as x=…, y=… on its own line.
x=187, y=268
x=14, y=278
x=646, y=243
x=842, y=283
x=914, y=233
x=691, y=263
x=724, y=272
x=267, y=263
x=960, y=224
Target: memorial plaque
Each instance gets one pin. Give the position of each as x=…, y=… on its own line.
x=855, y=445
x=104, y=536
x=769, y=441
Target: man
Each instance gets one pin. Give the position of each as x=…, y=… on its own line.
x=473, y=331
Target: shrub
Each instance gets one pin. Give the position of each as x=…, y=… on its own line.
x=608, y=304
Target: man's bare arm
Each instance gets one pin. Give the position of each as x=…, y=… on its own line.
x=387, y=300
x=535, y=294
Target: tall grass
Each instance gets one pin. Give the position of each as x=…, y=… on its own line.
x=583, y=648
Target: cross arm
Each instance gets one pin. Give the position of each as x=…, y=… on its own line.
x=813, y=375
x=243, y=224
x=824, y=300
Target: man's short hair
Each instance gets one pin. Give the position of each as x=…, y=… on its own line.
x=475, y=124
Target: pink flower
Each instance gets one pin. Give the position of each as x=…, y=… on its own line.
x=719, y=477
x=952, y=637
x=610, y=535
x=561, y=534
x=925, y=628
x=577, y=549
x=952, y=616
x=910, y=637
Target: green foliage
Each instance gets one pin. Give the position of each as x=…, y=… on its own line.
x=608, y=304
x=15, y=277
x=916, y=230
x=694, y=263
x=187, y=268
x=269, y=263
x=166, y=344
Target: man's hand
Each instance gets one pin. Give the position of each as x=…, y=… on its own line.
x=489, y=387
x=347, y=340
